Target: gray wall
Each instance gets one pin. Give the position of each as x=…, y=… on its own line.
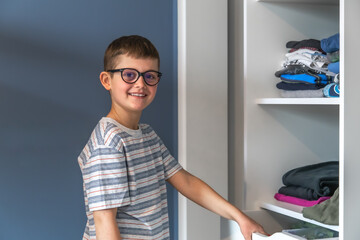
x=50, y=100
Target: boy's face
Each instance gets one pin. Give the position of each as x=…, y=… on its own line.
x=130, y=98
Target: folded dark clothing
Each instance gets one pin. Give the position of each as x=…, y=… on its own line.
x=298, y=86
x=323, y=178
x=313, y=43
x=299, y=192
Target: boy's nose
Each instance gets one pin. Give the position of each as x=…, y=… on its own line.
x=140, y=82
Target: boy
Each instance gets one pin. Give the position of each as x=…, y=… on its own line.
x=125, y=164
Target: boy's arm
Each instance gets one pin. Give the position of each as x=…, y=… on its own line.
x=105, y=225
x=202, y=194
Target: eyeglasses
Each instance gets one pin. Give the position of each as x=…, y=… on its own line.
x=131, y=75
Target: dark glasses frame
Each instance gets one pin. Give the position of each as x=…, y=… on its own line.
x=121, y=70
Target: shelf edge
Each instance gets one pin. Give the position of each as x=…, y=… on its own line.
x=294, y=214
x=298, y=101
x=325, y=2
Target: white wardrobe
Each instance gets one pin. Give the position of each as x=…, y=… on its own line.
x=235, y=131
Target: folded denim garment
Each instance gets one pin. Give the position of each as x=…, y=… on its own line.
x=334, y=67
x=330, y=44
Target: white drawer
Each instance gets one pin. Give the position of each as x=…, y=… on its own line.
x=282, y=236
x=273, y=224
x=275, y=236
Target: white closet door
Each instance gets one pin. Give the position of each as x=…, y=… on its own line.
x=351, y=112
x=202, y=87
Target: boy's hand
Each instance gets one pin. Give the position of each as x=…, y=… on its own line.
x=249, y=226
x=202, y=194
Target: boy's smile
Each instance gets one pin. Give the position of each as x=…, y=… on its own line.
x=129, y=99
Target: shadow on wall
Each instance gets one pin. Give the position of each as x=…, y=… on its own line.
x=40, y=180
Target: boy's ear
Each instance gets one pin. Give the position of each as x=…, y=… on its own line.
x=105, y=80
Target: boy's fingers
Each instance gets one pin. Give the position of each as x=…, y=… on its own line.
x=263, y=232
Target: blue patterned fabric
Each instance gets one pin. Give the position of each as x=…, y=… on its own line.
x=332, y=90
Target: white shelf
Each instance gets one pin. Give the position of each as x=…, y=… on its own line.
x=327, y=2
x=293, y=211
x=299, y=101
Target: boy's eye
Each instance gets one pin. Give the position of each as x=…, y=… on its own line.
x=150, y=76
x=129, y=75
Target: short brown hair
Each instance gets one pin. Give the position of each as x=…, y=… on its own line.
x=133, y=46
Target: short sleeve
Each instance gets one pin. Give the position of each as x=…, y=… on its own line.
x=171, y=166
x=106, y=179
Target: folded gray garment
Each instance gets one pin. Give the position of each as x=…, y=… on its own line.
x=326, y=212
x=302, y=93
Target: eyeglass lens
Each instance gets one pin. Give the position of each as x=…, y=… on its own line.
x=131, y=75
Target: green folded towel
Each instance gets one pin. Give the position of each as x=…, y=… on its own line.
x=326, y=212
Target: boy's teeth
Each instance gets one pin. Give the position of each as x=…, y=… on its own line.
x=137, y=95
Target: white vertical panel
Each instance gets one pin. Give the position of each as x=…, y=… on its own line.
x=351, y=123
x=202, y=108
x=182, y=110
x=341, y=123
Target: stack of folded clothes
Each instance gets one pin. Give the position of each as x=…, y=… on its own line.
x=309, y=185
x=305, y=72
x=330, y=45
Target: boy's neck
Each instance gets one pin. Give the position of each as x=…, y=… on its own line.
x=128, y=120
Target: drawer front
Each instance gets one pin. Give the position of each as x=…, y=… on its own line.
x=275, y=236
x=273, y=224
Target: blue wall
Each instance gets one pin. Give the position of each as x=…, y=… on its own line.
x=51, y=99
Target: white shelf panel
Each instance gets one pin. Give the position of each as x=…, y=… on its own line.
x=327, y=2
x=299, y=101
x=293, y=211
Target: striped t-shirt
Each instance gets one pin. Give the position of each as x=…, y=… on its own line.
x=126, y=169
